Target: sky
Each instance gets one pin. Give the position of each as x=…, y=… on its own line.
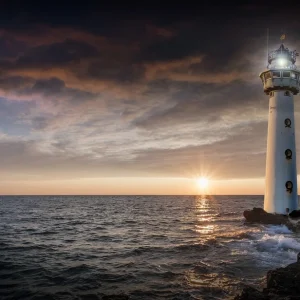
x=127, y=99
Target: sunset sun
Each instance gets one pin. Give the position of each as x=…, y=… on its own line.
x=202, y=182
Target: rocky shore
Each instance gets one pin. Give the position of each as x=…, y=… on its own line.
x=282, y=284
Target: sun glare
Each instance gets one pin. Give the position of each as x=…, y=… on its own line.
x=202, y=182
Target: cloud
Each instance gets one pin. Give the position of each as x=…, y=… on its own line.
x=55, y=54
x=208, y=103
x=240, y=153
x=140, y=97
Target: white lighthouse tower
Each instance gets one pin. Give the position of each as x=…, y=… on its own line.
x=281, y=83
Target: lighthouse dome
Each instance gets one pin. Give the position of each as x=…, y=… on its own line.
x=282, y=58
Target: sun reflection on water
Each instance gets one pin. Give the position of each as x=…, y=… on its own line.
x=204, y=215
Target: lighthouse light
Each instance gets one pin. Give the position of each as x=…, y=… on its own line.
x=282, y=62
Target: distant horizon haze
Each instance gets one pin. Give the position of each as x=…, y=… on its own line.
x=133, y=186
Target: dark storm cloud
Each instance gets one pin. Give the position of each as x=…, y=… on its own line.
x=56, y=87
x=10, y=47
x=56, y=54
x=120, y=72
x=11, y=83
x=50, y=86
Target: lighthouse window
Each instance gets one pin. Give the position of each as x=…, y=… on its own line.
x=276, y=74
x=288, y=153
x=286, y=74
x=287, y=122
x=289, y=186
x=287, y=93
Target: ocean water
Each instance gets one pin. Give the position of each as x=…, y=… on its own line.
x=147, y=247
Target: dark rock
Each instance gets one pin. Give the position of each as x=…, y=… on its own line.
x=115, y=297
x=89, y=297
x=249, y=293
x=282, y=284
x=295, y=214
x=285, y=281
x=258, y=215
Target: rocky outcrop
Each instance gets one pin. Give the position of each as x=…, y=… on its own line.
x=284, y=281
x=282, y=284
x=258, y=215
x=250, y=293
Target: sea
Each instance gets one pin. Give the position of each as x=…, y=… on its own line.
x=145, y=247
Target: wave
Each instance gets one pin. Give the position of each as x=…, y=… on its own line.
x=236, y=235
x=278, y=229
x=161, y=250
x=276, y=242
x=191, y=247
x=46, y=232
x=222, y=214
x=22, y=248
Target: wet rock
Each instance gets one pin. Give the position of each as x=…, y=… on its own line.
x=295, y=214
x=249, y=293
x=285, y=281
x=258, y=215
x=282, y=284
x=89, y=297
x=115, y=297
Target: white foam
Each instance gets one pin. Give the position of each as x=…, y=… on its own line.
x=273, y=246
x=278, y=229
x=280, y=241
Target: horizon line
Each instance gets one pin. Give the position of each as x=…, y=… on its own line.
x=132, y=195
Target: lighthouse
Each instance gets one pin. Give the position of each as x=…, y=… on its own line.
x=281, y=82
